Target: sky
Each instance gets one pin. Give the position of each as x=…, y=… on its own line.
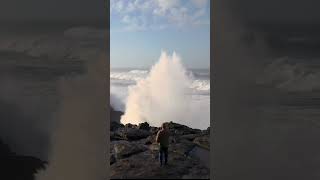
x=141, y=29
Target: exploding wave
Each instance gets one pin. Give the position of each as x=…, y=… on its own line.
x=163, y=94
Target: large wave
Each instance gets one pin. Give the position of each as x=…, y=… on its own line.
x=163, y=94
x=131, y=76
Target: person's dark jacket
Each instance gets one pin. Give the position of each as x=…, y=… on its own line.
x=163, y=138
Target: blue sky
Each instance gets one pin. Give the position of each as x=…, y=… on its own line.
x=140, y=29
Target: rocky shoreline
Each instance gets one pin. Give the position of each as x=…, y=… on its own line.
x=134, y=153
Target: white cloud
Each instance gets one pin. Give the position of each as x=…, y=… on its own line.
x=165, y=4
x=134, y=23
x=150, y=14
x=117, y=5
x=200, y=3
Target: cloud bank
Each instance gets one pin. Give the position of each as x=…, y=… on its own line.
x=141, y=15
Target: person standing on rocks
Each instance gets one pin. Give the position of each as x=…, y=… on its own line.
x=163, y=140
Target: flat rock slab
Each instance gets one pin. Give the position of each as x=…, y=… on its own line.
x=123, y=149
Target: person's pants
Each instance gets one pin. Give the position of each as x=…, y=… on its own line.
x=163, y=152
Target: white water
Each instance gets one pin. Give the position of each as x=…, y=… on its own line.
x=166, y=92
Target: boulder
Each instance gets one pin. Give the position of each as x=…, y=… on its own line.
x=150, y=139
x=115, y=125
x=144, y=126
x=182, y=147
x=189, y=137
x=130, y=126
x=125, y=149
x=203, y=141
x=179, y=129
x=154, y=130
x=135, y=134
x=115, y=136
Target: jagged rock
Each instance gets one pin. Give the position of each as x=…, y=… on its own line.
x=115, y=125
x=136, y=134
x=154, y=130
x=179, y=129
x=144, y=126
x=203, y=141
x=173, y=125
x=189, y=137
x=129, y=125
x=114, y=136
x=125, y=149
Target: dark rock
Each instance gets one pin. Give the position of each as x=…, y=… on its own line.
x=154, y=130
x=147, y=141
x=129, y=125
x=150, y=139
x=115, y=115
x=136, y=134
x=203, y=141
x=114, y=136
x=115, y=125
x=183, y=147
x=197, y=172
x=207, y=131
x=144, y=165
x=189, y=137
x=125, y=149
x=179, y=129
x=144, y=126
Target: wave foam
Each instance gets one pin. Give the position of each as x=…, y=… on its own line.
x=164, y=95
x=134, y=76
